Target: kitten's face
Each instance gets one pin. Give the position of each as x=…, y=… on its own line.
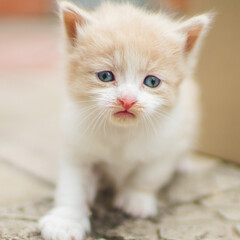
x=126, y=66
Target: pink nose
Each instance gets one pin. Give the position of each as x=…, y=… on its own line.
x=126, y=102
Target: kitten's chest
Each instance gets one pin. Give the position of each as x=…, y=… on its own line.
x=116, y=148
x=127, y=148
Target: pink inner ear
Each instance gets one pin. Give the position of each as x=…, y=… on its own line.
x=70, y=23
x=71, y=18
x=193, y=35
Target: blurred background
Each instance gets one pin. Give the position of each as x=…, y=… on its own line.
x=31, y=79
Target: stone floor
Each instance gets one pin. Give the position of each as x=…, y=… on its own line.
x=201, y=202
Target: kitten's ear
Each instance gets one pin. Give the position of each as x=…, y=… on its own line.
x=195, y=29
x=72, y=16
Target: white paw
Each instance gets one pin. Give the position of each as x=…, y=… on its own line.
x=59, y=225
x=136, y=203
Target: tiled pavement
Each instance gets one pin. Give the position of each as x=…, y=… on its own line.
x=204, y=204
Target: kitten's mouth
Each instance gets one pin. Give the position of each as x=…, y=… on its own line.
x=124, y=114
x=124, y=118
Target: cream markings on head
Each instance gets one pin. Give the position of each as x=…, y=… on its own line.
x=143, y=60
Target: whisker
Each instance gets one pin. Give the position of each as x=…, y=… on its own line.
x=97, y=120
x=165, y=115
x=145, y=125
x=105, y=121
x=151, y=124
x=92, y=123
x=84, y=113
x=86, y=116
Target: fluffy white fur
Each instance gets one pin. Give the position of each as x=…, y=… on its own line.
x=139, y=155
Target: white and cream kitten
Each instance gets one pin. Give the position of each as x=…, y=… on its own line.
x=131, y=108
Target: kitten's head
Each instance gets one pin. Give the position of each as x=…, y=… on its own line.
x=126, y=64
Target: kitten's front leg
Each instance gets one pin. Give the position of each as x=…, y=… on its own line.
x=137, y=196
x=69, y=219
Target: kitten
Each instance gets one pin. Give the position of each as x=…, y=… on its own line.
x=131, y=107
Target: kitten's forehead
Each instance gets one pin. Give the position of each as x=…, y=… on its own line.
x=129, y=40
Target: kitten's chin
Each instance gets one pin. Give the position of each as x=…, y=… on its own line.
x=123, y=118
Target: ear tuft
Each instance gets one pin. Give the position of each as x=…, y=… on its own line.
x=72, y=16
x=195, y=29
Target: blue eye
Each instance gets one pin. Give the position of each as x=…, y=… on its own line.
x=106, y=76
x=152, y=81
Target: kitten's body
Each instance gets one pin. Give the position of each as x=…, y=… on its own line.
x=127, y=148
x=139, y=150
